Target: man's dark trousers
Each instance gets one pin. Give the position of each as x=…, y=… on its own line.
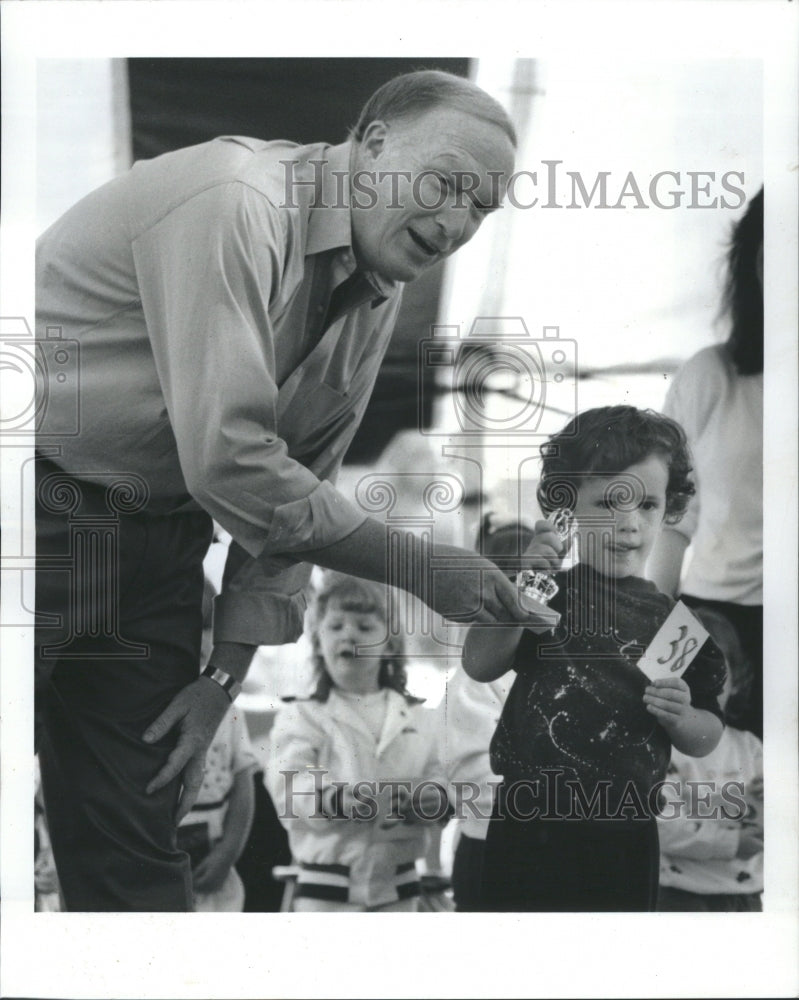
x=125, y=589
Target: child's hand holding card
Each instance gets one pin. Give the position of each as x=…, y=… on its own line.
x=673, y=649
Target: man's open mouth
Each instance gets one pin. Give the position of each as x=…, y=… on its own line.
x=428, y=248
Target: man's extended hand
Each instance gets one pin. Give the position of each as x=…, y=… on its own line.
x=476, y=591
x=466, y=587
x=197, y=710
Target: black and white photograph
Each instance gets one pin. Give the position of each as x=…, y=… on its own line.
x=399, y=495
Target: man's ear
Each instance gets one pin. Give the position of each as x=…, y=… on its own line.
x=374, y=139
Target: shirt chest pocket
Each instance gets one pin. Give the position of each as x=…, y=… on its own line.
x=314, y=421
x=320, y=403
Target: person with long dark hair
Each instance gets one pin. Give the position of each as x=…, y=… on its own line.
x=717, y=396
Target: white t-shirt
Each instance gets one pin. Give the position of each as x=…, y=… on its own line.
x=471, y=711
x=698, y=842
x=722, y=415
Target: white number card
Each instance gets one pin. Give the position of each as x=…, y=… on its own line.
x=674, y=647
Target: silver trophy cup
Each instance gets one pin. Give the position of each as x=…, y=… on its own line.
x=537, y=587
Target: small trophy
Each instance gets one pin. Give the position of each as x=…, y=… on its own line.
x=537, y=586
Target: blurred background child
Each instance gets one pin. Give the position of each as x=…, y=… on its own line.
x=716, y=863
x=471, y=711
x=215, y=831
x=356, y=845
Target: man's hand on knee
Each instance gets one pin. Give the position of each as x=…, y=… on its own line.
x=197, y=711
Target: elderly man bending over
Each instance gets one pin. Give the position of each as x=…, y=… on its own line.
x=232, y=302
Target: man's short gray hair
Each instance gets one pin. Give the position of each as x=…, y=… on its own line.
x=415, y=93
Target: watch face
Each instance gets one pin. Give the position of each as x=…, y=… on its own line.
x=229, y=684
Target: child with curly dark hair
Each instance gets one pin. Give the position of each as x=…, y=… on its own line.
x=585, y=736
x=355, y=770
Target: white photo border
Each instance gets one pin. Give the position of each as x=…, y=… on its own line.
x=658, y=955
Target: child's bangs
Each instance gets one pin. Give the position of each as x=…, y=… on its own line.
x=361, y=606
x=352, y=594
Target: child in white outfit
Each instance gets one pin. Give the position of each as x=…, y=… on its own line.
x=470, y=713
x=711, y=828
x=215, y=831
x=355, y=770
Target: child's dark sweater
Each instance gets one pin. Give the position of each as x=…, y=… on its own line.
x=576, y=708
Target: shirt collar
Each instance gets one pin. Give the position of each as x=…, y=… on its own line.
x=329, y=223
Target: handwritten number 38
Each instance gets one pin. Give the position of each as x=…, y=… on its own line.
x=688, y=643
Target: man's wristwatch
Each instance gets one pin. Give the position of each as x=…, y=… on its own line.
x=229, y=684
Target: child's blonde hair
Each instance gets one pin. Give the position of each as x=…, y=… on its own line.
x=367, y=597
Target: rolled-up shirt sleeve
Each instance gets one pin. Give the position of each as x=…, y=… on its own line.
x=209, y=270
x=262, y=601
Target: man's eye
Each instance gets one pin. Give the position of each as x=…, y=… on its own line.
x=444, y=182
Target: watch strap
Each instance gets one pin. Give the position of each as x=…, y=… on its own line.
x=229, y=684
